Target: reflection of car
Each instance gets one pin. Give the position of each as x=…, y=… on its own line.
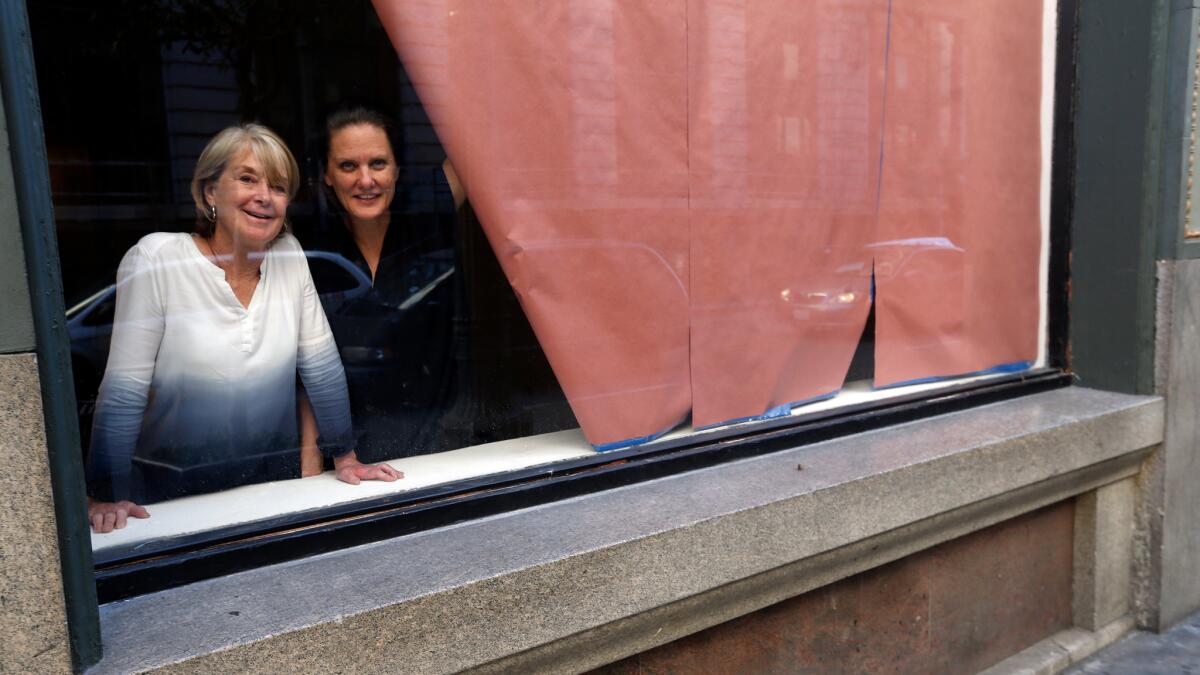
x=829, y=298
x=916, y=256
x=395, y=340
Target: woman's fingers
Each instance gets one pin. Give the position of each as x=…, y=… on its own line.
x=357, y=473
x=386, y=473
x=106, y=517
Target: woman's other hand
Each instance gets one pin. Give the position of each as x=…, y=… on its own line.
x=109, y=516
x=350, y=470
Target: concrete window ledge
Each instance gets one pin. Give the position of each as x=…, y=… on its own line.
x=578, y=583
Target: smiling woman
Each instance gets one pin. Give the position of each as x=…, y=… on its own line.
x=209, y=332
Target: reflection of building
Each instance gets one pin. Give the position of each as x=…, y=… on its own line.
x=944, y=544
x=199, y=94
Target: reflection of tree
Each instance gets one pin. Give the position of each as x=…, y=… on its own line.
x=243, y=34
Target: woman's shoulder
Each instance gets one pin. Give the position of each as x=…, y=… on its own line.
x=286, y=242
x=285, y=254
x=159, y=248
x=286, y=250
x=159, y=244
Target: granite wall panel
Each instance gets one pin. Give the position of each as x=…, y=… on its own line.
x=958, y=607
x=32, y=613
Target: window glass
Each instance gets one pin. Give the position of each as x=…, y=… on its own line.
x=465, y=238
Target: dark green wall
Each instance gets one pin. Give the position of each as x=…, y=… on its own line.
x=1120, y=97
x=16, y=318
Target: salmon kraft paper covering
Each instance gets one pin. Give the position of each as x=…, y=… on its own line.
x=959, y=239
x=567, y=123
x=691, y=198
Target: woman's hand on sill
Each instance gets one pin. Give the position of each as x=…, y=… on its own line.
x=350, y=470
x=108, y=516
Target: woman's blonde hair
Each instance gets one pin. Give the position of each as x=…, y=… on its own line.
x=270, y=150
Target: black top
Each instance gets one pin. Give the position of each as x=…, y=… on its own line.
x=393, y=332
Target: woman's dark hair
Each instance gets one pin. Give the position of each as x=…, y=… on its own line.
x=354, y=115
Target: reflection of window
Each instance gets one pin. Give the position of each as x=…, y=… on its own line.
x=690, y=264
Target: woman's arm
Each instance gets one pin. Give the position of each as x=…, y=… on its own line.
x=310, y=454
x=346, y=466
x=327, y=396
x=456, y=186
x=137, y=332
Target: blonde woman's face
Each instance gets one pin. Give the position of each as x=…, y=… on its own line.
x=250, y=208
x=361, y=170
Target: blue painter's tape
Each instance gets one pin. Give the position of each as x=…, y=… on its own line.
x=1014, y=367
x=778, y=411
x=630, y=442
x=786, y=409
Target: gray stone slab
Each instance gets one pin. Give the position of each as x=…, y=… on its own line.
x=1103, y=554
x=32, y=613
x=1172, y=590
x=470, y=594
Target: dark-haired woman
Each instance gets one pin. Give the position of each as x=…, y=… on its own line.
x=408, y=264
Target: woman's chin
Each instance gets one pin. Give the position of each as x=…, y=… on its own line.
x=259, y=236
x=367, y=213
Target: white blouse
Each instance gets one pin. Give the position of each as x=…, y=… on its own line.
x=193, y=374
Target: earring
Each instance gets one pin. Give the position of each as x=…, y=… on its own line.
x=212, y=212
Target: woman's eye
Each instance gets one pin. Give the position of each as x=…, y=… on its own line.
x=279, y=188
x=379, y=164
x=247, y=179
x=346, y=166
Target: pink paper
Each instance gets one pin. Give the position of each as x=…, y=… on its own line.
x=690, y=197
x=958, y=285
x=567, y=124
x=785, y=107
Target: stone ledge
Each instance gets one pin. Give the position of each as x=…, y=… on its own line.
x=569, y=585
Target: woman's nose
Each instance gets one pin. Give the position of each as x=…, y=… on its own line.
x=365, y=177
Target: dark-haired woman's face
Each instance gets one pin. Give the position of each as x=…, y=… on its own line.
x=362, y=171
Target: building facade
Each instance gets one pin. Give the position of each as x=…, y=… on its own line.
x=1021, y=527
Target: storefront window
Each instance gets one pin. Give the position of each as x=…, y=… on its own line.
x=515, y=237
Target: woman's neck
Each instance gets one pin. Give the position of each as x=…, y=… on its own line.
x=238, y=262
x=368, y=237
x=369, y=233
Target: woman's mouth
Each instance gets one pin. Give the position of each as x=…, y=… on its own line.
x=259, y=215
x=368, y=197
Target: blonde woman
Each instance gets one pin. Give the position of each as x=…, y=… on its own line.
x=209, y=333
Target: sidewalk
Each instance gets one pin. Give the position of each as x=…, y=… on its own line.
x=1176, y=651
